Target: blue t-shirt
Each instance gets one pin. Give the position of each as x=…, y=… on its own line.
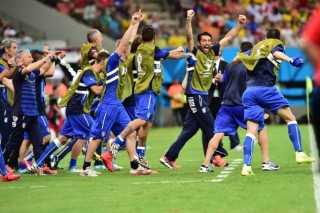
x=112, y=69
x=3, y=93
x=263, y=74
x=40, y=90
x=233, y=84
x=25, y=102
x=78, y=99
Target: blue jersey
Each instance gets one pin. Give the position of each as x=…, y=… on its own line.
x=263, y=74
x=112, y=69
x=160, y=54
x=189, y=90
x=232, y=92
x=78, y=99
x=25, y=102
x=40, y=90
x=3, y=93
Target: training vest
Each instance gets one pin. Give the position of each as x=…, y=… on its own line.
x=84, y=50
x=259, y=51
x=73, y=88
x=148, y=70
x=10, y=94
x=203, y=71
x=126, y=79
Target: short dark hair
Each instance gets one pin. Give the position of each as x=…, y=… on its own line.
x=148, y=33
x=135, y=44
x=273, y=33
x=245, y=46
x=37, y=55
x=203, y=34
x=102, y=56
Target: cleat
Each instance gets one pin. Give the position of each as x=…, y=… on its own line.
x=54, y=161
x=246, y=171
x=89, y=172
x=99, y=167
x=114, y=148
x=37, y=170
x=107, y=161
x=149, y=172
x=27, y=164
x=95, y=156
x=237, y=148
x=47, y=171
x=116, y=167
x=10, y=177
x=138, y=171
x=170, y=164
x=23, y=171
x=218, y=161
x=142, y=161
x=270, y=166
x=74, y=170
x=302, y=157
x=9, y=169
x=204, y=169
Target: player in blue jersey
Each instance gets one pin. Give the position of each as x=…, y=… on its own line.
x=25, y=110
x=111, y=115
x=25, y=160
x=78, y=102
x=230, y=115
x=197, y=83
x=263, y=64
x=9, y=49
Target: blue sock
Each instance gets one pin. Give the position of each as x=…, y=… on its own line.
x=48, y=151
x=141, y=151
x=295, y=136
x=29, y=156
x=248, y=148
x=66, y=149
x=72, y=163
x=21, y=166
x=2, y=164
x=120, y=141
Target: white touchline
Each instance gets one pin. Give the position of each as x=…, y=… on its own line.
x=220, y=177
x=315, y=167
x=22, y=187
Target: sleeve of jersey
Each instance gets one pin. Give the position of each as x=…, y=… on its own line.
x=160, y=53
x=92, y=51
x=216, y=48
x=113, y=62
x=1, y=68
x=278, y=48
x=88, y=78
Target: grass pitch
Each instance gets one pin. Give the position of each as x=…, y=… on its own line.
x=182, y=190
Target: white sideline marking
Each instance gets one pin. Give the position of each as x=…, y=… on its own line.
x=315, y=167
x=22, y=187
x=220, y=177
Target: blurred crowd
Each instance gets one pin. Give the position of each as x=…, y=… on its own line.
x=214, y=16
x=8, y=31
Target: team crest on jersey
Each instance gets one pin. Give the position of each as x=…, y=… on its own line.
x=103, y=133
x=148, y=115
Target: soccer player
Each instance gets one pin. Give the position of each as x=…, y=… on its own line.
x=25, y=110
x=197, y=83
x=230, y=115
x=263, y=64
x=9, y=49
x=111, y=115
x=311, y=45
x=78, y=102
x=42, y=118
x=148, y=63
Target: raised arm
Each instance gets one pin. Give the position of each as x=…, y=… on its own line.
x=34, y=65
x=296, y=61
x=136, y=19
x=178, y=53
x=233, y=32
x=188, y=28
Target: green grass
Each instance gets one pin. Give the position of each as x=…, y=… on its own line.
x=183, y=190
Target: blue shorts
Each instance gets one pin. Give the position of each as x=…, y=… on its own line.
x=256, y=98
x=131, y=112
x=229, y=118
x=78, y=126
x=109, y=118
x=146, y=104
x=44, y=125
